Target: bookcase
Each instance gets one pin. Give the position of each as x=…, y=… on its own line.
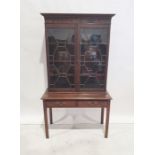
x=77, y=50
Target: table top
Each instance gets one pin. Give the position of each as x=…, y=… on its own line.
x=48, y=95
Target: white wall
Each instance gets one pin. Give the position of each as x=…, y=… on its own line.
x=33, y=64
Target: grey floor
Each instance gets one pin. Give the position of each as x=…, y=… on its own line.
x=77, y=139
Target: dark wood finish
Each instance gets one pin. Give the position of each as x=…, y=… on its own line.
x=102, y=115
x=87, y=96
x=77, y=50
x=60, y=104
x=46, y=120
x=51, y=116
x=107, y=121
x=77, y=100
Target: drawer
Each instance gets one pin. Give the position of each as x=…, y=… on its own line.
x=60, y=103
x=92, y=103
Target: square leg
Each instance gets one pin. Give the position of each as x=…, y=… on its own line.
x=51, y=115
x=102, y=115
x=46, y=120
x=107, y=120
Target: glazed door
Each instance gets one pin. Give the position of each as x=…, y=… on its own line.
x=93, y=57
x=61, y=57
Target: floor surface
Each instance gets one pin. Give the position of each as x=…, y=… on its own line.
x=79, y=139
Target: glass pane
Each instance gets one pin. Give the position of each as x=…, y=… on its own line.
x=93, y=43
x=61, y=57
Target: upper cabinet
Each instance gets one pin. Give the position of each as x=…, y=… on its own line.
x=77, y=48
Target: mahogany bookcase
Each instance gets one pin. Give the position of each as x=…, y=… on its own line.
x=77, y=50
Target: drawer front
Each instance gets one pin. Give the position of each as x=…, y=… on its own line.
x=92, y=103
x=61, y=103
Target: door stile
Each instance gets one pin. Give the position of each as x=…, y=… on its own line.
x=77, y=57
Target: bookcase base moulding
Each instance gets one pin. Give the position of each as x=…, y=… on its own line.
x=77, y=49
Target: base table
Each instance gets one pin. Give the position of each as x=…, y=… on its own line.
x=76, y=100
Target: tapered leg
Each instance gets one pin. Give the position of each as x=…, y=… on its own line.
x=102, y=115
x=107, y=120
x=51, y=116
x=46, y=120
